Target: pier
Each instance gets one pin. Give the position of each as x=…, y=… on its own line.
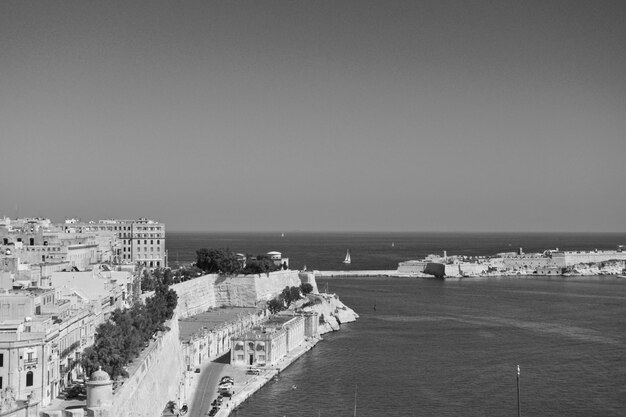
x=369, y=273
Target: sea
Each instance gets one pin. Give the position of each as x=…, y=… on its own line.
x=430, y=347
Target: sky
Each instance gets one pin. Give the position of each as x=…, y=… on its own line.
x=316, y=115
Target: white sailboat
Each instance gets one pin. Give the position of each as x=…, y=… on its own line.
x=347, y=260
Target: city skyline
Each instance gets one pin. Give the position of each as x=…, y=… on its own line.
x=316, y=116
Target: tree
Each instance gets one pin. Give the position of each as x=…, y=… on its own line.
x=275, y=305
x=147, y=281
x=290, y=294
x=306, y=288
x=119, y=340
x=261, y=264
x=294, y=294
x=218, y=261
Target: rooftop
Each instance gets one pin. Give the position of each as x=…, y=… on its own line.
x=269, y=327
x=211, y=320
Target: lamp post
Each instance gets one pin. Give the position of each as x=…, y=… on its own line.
x=519, y=410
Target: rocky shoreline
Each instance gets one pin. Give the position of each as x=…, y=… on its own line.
x=332, y=312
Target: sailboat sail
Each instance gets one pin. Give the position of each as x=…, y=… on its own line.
x=347, y=260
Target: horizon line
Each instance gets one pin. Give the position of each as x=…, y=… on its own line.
x=394, y=231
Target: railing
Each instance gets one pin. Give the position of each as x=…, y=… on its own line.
x=30, y=362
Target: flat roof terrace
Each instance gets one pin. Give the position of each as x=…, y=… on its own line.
x=212, y=319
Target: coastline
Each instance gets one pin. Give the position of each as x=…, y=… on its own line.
x=249, y=387
x=511, y=274
x=333, y=313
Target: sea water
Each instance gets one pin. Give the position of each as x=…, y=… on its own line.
x=378, y=251
x=428, y=347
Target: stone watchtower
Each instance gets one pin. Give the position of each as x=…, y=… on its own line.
x=308, y=277
x=99, y=389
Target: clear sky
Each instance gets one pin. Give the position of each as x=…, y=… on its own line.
x=316, y=115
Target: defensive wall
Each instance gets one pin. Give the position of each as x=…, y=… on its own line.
x=157, y=379
x=154, y=378
x=158, y=375
x=208, y=291
x=572, y=258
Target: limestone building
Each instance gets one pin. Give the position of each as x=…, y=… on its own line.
x=139, y=241
x=268, y=343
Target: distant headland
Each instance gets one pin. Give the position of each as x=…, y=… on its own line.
x=550, y=262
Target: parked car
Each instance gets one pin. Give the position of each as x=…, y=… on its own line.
x=75, y=391
x=213, y=411
x=228, y=379
x=253, y=371
x=197, y=370
x=224, y=388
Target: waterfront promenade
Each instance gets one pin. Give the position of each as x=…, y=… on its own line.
x=203, y=390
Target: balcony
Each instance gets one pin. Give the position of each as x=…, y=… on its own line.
x=30, y=362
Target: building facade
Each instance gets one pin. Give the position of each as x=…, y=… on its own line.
x=268, y=343
x=138, y=241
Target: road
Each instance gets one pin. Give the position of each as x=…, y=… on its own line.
x=206, y=390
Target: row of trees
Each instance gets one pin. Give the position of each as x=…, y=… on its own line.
x=289, y=294
x=150, y=280
x=121, y=339
x=226, y=262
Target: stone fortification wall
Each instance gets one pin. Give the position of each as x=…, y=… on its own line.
x=411, y=267
x=196, y=295
x=472, y=269
x=250, y=290
x=530, y=262
x=156, y=380
x=209, y=291
x=435, y=268
x=331, y=311
x=572, y=258
x=308, y=277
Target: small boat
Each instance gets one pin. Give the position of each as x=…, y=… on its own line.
x=347, y=260
x=393, y=244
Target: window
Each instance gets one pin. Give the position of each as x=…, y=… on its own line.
x=1, y=361
x=29, y=379
x=1, y=383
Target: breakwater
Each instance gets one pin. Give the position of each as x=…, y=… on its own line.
x=369, y=273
